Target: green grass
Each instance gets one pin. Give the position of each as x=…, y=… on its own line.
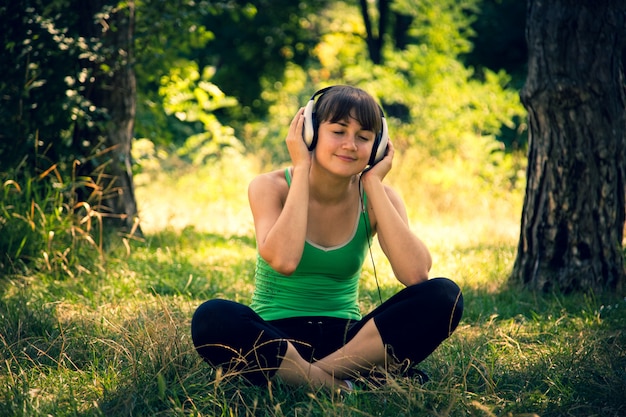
x=115, y=340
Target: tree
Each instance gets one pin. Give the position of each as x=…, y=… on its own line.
x=113, y=90
x=573, y=213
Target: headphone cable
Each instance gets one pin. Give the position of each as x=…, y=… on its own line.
x=368, y=237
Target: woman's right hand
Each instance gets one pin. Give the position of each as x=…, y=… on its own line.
x=298, y=151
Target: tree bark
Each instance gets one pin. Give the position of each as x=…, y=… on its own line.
x=573, y=215
x=119, y=97
x=113, y=91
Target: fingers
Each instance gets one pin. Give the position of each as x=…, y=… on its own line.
x=382, y=168
x=295, y=128
x=298, y=119
x=298, y=150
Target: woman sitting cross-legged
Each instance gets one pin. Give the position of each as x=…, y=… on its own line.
x=314, y=222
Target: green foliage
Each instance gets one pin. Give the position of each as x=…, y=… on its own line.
x=33, y=97
x=193, y=100
x=243, y=42
x=259, y=35
x=445, y=25
x=50, y=61
x=166, y=33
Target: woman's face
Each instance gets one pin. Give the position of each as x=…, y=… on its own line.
x=344, y=147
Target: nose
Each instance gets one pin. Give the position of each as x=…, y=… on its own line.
x=350, y=142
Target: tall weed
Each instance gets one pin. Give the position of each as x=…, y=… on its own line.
x=50, y=222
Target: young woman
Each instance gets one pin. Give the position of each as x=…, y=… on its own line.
x=314, y=222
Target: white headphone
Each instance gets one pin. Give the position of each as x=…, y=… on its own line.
x=311, y=125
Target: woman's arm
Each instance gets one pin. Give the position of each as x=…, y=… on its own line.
x=281, y=222
x=408, y=255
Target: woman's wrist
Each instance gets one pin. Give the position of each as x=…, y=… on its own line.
x=302, y=167
x=370, y=180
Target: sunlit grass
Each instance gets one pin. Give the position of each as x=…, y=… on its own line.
x=211, y=198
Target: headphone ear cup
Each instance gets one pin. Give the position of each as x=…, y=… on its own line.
x=380, y=145
x=308, y=130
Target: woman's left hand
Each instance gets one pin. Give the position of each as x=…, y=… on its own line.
x=382, y=168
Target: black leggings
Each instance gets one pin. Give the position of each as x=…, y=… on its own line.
x=412, y=324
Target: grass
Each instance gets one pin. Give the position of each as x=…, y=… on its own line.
x=115, y=340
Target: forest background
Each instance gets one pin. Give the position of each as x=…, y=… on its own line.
x=95, y=317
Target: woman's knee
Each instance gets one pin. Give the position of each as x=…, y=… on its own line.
x=443, y=289
x=232, y=334
x=448, y=291
x=443, y=295
x=211, y=317
x=214, y=326
x=453, y=297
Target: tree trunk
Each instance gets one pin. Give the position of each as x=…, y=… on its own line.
x=573, y=216
x=119, y=97
x=375, y=41
x=113, y=90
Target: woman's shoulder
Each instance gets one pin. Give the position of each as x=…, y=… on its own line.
x=269, y=182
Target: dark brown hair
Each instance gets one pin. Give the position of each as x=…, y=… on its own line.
x=342, y=102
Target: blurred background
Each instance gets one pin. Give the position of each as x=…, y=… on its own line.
x=156, y=114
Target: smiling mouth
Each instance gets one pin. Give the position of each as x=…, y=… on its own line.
x=346, y=158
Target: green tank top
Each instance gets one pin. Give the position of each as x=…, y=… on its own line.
x=325, y=283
